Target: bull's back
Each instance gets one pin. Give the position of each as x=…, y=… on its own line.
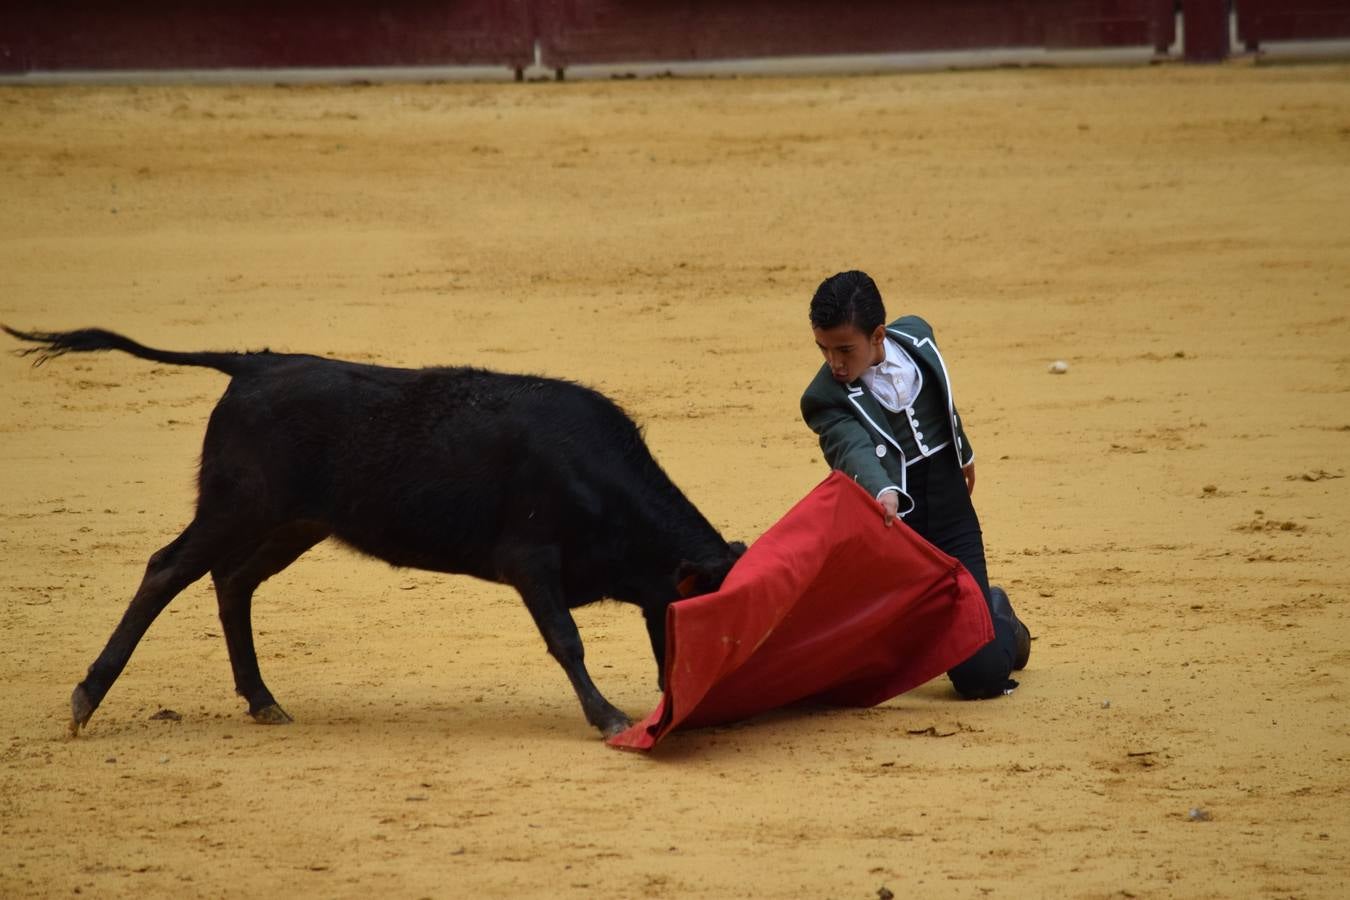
x=430, y=468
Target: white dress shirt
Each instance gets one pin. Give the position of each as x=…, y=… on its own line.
x=895, y=380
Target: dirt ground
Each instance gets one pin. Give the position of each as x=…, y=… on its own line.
x=1165, y=515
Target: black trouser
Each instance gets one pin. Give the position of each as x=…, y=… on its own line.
x=945, y=517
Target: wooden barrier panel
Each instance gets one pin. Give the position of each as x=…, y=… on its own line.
x=1207, y=29
x=1291, y=20
x=573, y=32
x=162, y=34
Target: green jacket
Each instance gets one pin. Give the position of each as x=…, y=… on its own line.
x=855, y=430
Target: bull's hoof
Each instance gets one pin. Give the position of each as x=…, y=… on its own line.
x=81, y=708
x=272, y=714
x=615, y=726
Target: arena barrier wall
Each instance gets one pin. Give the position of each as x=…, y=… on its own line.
x=1260, y=21
x=1207, y=26
x=576, y=32
x=63, y=35
x=97, y=36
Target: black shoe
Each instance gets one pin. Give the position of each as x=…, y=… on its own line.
x=1001, y=607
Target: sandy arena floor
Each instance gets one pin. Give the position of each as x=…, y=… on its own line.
x=1166, y=515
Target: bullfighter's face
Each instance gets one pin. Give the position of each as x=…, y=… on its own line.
x=849, y=351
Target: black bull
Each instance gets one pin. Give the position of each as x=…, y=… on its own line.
x=541, y=484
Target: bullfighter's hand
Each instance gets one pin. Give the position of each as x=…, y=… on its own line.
x=890, y=505
x=968, y=470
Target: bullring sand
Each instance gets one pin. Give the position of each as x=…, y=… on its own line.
x=1169, y=515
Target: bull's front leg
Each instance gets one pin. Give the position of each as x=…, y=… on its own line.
x=655, y=617
x=536, y=573
x=564, y=644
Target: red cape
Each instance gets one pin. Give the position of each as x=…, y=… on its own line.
x=829, y=606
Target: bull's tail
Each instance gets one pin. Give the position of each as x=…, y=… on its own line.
x=86, y=340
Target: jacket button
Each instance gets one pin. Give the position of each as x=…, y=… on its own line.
x=881, y=450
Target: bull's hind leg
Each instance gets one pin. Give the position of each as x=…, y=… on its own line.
x=536, y=573
x=236, y=579
x=169, y=570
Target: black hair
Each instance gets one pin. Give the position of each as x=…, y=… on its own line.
x=849, y=298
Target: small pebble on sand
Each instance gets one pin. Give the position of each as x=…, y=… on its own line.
x=1059, y=367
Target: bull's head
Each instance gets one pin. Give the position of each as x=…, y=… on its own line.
x=706, y=576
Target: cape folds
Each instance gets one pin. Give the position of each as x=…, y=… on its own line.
x=828, y=607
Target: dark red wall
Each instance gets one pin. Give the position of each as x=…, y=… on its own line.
x=600, y=31
x=54, y=35
x=1207, y=29
x=47, y=35
x=1292, y=20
